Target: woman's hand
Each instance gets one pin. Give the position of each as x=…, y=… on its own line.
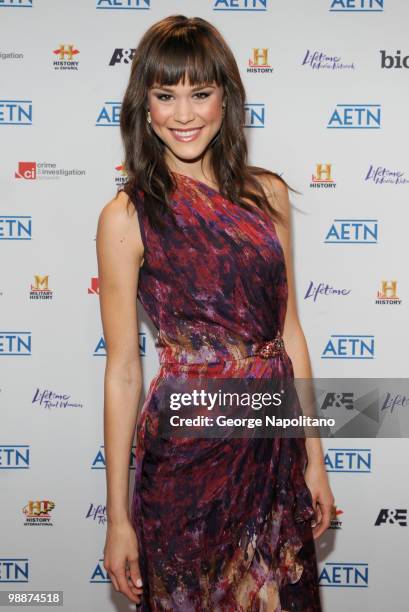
x=316, y=478
x=121, y=560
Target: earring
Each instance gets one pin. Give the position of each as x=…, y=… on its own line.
x=148, y=115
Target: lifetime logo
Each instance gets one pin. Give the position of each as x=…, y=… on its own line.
x=356, y=6
x=349, y=574
x=348, y=460
x=395, y=400
x=349, y=346
x=355, y=117
x=123, y=4
x=382, y=176
x=352, y=231
x=240, y=5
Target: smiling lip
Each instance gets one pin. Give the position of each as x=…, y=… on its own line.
x=186, y=135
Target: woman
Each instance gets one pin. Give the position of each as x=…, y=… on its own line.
x=204, y=241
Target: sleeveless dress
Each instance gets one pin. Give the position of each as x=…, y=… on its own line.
x=223, y=525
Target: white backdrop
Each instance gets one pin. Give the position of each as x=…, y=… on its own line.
x=319, y=93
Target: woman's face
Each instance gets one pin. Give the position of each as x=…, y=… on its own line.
x=186, y=118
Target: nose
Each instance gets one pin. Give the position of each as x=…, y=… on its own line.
x=184, y=111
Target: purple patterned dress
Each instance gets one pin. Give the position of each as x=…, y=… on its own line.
x=224, y=525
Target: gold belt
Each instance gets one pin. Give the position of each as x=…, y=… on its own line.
x=265, y=349
x=270, y=348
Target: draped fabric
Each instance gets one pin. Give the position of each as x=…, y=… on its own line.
x=223, y=525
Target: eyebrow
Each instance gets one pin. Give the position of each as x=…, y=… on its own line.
x=192, y=89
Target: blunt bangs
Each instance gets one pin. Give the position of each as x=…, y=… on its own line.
x=184, y=56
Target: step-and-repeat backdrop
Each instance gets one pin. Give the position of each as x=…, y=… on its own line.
x=327, y=99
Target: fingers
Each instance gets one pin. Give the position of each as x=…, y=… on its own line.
x=124, y=586
x=122, y=567
x=134, y=579
x=114, y=581
x=317, y=512
x=124, y=583
x=135, y=574
x=323, y=519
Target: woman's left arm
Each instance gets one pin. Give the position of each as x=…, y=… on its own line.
x=295, y=343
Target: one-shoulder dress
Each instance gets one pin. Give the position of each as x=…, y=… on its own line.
x=223, y=525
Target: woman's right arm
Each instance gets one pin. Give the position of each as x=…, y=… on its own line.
x=120, y=253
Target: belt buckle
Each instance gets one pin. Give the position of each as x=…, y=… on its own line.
x=271, y=348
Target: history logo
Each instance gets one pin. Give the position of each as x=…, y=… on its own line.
x=322, y=179
x=387, y=294
x=258, y=62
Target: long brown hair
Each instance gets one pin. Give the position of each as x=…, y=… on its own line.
x=171, y=50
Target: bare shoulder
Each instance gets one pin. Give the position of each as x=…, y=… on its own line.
x=276, y=191
x=117, y=213
x=118, y=225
